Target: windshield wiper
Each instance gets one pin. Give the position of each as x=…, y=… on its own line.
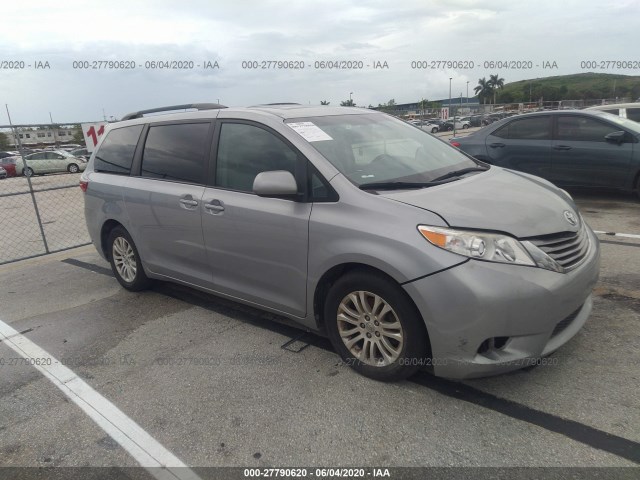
x=396, y=185
x=456, y=173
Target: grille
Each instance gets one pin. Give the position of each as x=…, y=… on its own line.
x=563, y=324
x=566, y=248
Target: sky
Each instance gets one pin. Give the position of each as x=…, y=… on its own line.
x=64, y=36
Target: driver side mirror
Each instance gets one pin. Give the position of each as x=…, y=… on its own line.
x=276, y=183
x=616, y=137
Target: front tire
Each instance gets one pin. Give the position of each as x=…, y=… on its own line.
x=125, y=261
x=27, y=172
x=73, y=168
x=375, y=327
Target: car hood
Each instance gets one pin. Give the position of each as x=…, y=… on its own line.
x=499, y=200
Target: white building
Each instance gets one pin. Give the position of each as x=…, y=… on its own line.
x=43, y=137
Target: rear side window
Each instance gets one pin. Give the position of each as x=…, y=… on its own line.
x=176, y=152
x=244, y=151
x=116, y=152
x=535, y=128
x=633, y=114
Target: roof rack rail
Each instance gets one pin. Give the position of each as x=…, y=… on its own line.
x=274, y=104
x=197, y=106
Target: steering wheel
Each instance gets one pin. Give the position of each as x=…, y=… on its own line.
x=382, y=158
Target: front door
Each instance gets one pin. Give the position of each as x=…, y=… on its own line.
x=257, y=247
x=582, y=157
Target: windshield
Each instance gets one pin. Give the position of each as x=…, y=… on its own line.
x=379, y=148
x=64, y=153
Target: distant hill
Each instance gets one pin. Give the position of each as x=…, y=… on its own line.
x=581, y=86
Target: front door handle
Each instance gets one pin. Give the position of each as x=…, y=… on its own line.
x=562, y=147
x=496, y=145
x=214, y=206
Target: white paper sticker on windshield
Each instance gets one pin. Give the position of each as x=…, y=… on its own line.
x=309, y=131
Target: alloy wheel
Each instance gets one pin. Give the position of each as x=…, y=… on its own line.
x=370, y=328
x=124, y=259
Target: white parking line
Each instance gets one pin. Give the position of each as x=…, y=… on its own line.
x=614, y=234
x=147, y=451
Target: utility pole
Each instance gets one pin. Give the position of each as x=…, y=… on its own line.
x=55, y=131
x=25, y=167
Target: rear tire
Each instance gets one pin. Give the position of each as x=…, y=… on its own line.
x=125, y=261
x=375, y=327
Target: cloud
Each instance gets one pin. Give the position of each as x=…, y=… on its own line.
x=334, y=30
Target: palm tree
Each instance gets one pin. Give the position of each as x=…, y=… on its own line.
x=423, y=105
x=483, y=90
x=324, y=102
x=495, y=83
x=347, y=103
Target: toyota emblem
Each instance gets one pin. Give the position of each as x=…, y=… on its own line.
x=570, y=217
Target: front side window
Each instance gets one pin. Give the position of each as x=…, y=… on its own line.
x=372, y=148
x=578, y=128
x=176, y=152
x=534, y=128
x=116, y=152
x=244, y=151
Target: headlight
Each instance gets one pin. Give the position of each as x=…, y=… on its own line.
x=490, y=247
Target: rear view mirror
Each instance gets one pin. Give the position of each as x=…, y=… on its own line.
x=277, y=183
x=616, y=137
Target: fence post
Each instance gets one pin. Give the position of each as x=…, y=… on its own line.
x=33, y=197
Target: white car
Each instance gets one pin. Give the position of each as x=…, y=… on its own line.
x=624, y=110
x=50, y=162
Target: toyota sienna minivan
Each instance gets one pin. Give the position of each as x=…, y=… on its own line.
x=404, y=251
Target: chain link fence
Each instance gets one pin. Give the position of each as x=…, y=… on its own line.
x=41, y=204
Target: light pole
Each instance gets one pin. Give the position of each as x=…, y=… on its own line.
x=54, y=128
x=467, y=101
x=449, y=104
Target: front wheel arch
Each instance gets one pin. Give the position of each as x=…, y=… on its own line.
x=406, y=349
x=333, y=274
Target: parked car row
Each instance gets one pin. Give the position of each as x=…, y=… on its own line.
x=43, y=162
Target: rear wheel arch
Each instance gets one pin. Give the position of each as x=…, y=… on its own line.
x=107, y=227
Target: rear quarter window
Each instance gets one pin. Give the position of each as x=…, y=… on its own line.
x=115, y=155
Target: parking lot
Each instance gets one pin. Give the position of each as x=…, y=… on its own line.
x=217, y=384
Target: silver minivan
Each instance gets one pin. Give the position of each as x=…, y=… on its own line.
x=404, y=251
